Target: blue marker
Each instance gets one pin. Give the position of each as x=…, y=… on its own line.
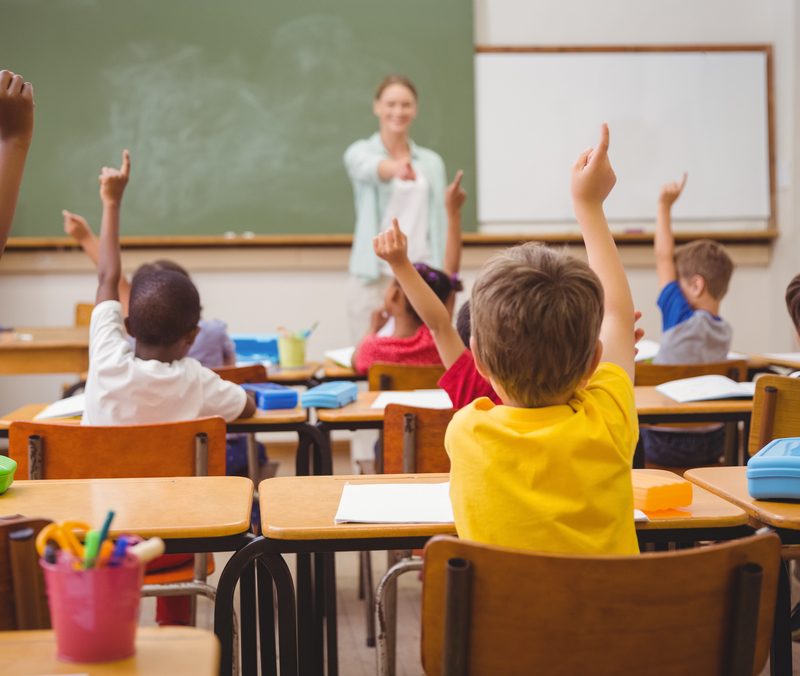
x=118, y=555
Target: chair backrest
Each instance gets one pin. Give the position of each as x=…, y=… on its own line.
x=776, y=410
x=655, y=374
x=404, y=377
x=413, y=439
x=63, y=451
x=252, y=373
x=83, y=313
x=696, y=611
x=23, y=603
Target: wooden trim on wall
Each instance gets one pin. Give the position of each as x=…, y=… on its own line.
x=470, y=239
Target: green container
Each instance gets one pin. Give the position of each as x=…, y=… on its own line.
x=7, y=469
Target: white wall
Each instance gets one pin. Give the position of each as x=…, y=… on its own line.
x=258, y=290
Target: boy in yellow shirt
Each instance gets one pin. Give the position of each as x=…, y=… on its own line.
x=550, y=468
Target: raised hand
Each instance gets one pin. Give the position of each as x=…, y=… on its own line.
x=405, y=172
x=16, y=108
x=672, y=191
x=76, y=226
x=592, y=174
x=391, y=245
x=455, y=195
x=113, y=181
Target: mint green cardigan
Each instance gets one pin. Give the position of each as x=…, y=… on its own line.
x=371, y=195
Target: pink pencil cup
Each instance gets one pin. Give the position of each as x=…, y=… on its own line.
x=94, y=612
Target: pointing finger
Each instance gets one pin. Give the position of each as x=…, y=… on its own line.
x=457, y=179
x=126, y=163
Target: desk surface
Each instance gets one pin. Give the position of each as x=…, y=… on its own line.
x=648, y=402
x=333, y=371
x=302, y=374
x=173, y=507
x=303, y=508
x=44, y=350
x=160, y=651
x=730, y=483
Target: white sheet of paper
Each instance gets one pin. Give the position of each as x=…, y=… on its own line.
x=648, y=349
x=418, y=398
x=783, y=356
x=706, y=388
x=639, y=515
x=342, y=356
x=737, y=355
x=395, y=503
x=63, y=408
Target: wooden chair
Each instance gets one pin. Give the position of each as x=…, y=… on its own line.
x=251, y=373
x=776, y=411
x=187, y=448
x=403, y=377
x=492, y=610
x=83, y=313
x=23, y=603
x=413, y=443
x=656, y=374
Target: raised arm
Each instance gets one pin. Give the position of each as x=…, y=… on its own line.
x=392, y=247
x=364, y=164
x=109, y=267
x=16, y=132
x=592, y=181
x=664, y=242
x=454, y=198
x=78, y=228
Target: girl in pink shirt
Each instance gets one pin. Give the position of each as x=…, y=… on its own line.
x=412, y=342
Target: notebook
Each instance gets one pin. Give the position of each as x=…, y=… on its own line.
x=342, y=356
x=418, y=398
x=706, y=388
x=403, y=503
x=71, y=407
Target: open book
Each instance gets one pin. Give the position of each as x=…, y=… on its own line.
x=704, y=388
x=403, y=503
x=342, y=357
x=71, y=407
x=418, y=398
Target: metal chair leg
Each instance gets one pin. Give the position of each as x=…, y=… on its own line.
x=386, y=666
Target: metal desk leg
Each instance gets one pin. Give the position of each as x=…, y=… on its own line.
x=306, y=610
x=248, y=624
x=780, y=656
x=266, y=621
x=331, y=617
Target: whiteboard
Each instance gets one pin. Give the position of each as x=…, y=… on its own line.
x=668, y=112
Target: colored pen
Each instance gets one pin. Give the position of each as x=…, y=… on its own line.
x=91, y=548
x=106, y=526
x=118, y=555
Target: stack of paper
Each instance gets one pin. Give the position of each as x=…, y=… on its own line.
x=418, y=398
x=71, y=407
x=703, y=388
x=343, y=356
x=395, y=503
x=647, y=350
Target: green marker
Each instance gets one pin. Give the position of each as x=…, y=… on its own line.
x=90, y=548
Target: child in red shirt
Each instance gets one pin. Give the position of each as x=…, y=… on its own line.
x=461, y=380
x=411, y=342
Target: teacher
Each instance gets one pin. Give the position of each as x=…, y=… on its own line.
x=392, y=177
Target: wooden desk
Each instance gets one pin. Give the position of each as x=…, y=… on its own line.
x=651, y=405
x=298, y=516
x=160, y=651
x=44, y=350
x=333, y=371
x=788, y=359
x=303, y=375
x=730, y=483
x=173, y=508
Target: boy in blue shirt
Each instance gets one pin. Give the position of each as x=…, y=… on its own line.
x=693, y=279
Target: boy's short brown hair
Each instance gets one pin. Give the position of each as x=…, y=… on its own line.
x=708, y=259
x=536, y=316
x=793, y=301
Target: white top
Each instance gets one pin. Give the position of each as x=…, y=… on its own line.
x=409, y=205
x=124, y=390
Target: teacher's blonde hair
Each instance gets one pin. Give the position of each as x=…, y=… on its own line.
x=390, y=80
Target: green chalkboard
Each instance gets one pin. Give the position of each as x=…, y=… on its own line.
x=236, y=112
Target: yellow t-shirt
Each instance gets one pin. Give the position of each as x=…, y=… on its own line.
x=551, y=479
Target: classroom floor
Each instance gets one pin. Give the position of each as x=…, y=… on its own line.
x=355, y=658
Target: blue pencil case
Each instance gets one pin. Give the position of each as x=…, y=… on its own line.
x=271, y=395
x=256, y=348
x=774, y=472
x=334, y=394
